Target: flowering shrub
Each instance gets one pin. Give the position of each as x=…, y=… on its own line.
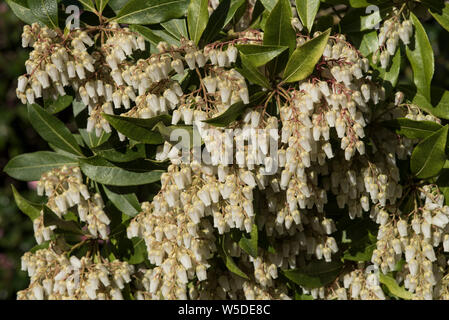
x=235, y=150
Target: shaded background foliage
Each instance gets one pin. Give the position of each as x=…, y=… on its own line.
x=17, y=137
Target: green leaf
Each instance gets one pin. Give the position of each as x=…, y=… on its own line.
x=32, y=210
x=234, y=111
x=126, y=203
x=279, y=32
x=411, y=128
x=52, y=130
x=133, y=131
x=121, y=152
x=147, y=33
x=91, y=139
x=166, y=36
x=88, y=5
x=443, y=182
x=307, y=10
x=151, y=11
x=43, y=245
x=229, y=262
x=357, y=20
x=390, y=75
x=235, y=6
x=249, y=244
x=21, y=10
x=369, y=43
x=51, y=219
x=216, y=22
x=303, y=60
x=439, y=107
x=420, y=55
x=439, y=10
x=30, y=166
x=394, y=288
x=429, y=155
x=269, y=4
x=105, y=172
x=101, y=4
x=166, y=132
x=61, y=103
x=250, y=72
x=46, y=11
x=303, y=296
x=197, y=18
x=260, y=55
x=116, y=5
x=177, y=28
x=359, y=254
x=139, y=251
x=316, y=274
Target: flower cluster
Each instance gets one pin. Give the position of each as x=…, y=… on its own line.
x=65, y=190
x=392, y=30
x=54, y=276
x=282, y=175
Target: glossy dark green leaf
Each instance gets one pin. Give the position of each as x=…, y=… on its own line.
x=443, y=182
x=235, y=110
x=359, y=254
x=391, y=74
x=117, y=5
x=269, y=4
x=105, y=172
x=61, y=103
x=411, y=128
x=260, y=55
x=234, y=7
x=183, y=134
x=126, y=203
x=197, y=18
x=147, y=33
x=249, y=244
x=429, y=155
x=420, y=55
x=101, y=4
x=139, y=251
x=250, y=72
x=46, y=11
x=167, y=37
x=52, y=130
x=151, y=11
x=315, y=274
x=369, y=43
x=229, y=262
x=393, y=287
x=133, y=131
x=32, y=210
x=307, y=10
x=216, y=22
x=22, y=11
x=302, y=62
x=120, y=153
x=91, y=139
x=279, y=32
x=51, y=219
x=177, y=28
x=43, y=245
x=30, y=166
x=357, y=20
x=439, y=10
x=438, y=106
x=88, y=5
